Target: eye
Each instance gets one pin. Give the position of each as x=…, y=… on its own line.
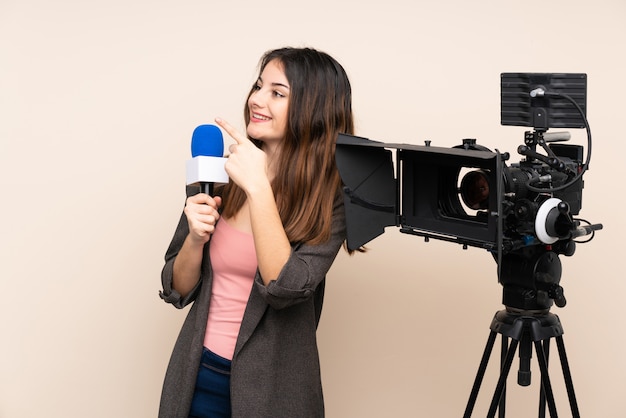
x=278, y=93
x=256, y=87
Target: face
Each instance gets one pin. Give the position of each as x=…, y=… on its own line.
x=268, y=106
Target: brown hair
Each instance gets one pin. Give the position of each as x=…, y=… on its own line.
x=307, y=181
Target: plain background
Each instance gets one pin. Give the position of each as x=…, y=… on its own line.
x=98, y=100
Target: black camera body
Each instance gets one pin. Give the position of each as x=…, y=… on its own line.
x=522, y=213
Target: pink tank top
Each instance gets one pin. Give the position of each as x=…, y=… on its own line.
x=233, y=259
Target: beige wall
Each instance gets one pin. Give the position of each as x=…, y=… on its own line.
x=97, y=103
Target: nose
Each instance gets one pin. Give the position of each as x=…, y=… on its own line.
x=256, y=99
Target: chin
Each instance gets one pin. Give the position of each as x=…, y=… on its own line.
x=253, y=133
x=256, y=133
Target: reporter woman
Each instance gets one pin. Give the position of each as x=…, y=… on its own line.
x=252, y=260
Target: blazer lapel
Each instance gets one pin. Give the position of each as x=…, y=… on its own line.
x=252, y=316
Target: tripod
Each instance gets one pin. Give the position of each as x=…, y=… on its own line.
x=524, y=328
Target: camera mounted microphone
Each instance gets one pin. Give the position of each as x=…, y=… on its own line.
x=206, y=167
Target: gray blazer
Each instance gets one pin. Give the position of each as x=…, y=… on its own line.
x=275, y=367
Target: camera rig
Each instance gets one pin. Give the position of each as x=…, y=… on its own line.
x=524, y=213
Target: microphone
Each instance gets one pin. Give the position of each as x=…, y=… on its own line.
x=206, y=166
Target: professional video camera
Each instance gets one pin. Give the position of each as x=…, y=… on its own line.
x=522, y=213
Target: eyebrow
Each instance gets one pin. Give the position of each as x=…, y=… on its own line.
x=275, y=84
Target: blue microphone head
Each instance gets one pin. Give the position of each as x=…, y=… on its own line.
x=207, y=140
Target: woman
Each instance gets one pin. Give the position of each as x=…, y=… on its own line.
x=253, y=258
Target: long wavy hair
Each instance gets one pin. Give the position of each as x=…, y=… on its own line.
x=307, y=183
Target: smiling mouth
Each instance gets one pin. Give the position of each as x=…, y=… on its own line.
x=259, y=117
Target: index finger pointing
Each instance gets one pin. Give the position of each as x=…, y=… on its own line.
x=234, y=133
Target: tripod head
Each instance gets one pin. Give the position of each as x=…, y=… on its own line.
x=530, y=279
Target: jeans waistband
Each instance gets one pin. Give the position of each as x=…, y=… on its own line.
x=218, y=362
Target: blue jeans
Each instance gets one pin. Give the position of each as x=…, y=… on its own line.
x=211, y=398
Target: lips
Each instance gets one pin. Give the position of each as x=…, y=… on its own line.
x=258, y=116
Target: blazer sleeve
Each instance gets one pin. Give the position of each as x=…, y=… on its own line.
x=168, y=294
x=306, y=267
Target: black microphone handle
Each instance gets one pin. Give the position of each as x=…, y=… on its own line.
x=206, y=188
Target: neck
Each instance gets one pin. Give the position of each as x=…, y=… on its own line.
x=273, y=153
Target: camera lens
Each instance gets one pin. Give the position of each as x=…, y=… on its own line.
x=475, y=190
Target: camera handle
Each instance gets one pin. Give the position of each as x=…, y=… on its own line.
x=541, y=138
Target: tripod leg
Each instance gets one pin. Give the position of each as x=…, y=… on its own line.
x=479, y=375
x=503, y=351
x=568, y=377
x=545, y=379
x=542, y=393
x=504, y=372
